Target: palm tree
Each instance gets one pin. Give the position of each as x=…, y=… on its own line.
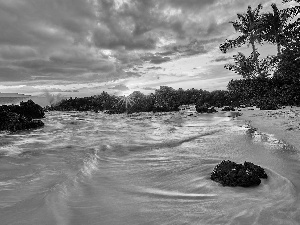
x=250, y=27
x=242, y=65
x=276, y=25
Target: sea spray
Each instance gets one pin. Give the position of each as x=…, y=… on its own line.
x=53, y=99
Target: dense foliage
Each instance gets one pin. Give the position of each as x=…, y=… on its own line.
x=265, y=93
x=164, y=99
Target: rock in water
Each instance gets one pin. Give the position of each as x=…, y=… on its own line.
x=232, y=174
x=260, y=172
x=14, y=117
x=31, y=110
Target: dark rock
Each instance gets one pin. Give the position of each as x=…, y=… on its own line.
x=211, y=110
x=205, y=108
x=14, y=117
x=228, y=108
x=31, y=110
x=232, y=174
x=260, y=172
x=202, y=109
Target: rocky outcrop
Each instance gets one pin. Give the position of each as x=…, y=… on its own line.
x=228, y=108
x=31, y=110
x=205, y=109
x=15, y=117
x=232, y=174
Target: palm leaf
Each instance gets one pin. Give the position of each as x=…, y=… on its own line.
x=229, y=44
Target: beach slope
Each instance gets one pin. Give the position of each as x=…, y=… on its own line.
x=283, y=123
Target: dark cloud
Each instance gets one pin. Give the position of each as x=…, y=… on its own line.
x=194, y=47
x=60, y=90
x=44, y=22
x=190, y=4
x=139, y=24
x=167, y=53
x=124, y=26
x=60, y=67
x=103, y=38
x=154, y=58
x=159, y=59
x=154, y=68
x=149, y=88
x=133, y=74
x=12, y=74
x=222, y=59
x=8, y=52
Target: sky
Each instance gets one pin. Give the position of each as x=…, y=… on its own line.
x=84, y=47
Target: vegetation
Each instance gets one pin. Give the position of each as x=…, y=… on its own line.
x=164, y=99
x=275, y=80
x=249, y=25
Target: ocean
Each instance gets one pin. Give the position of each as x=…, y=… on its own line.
x=92, y=168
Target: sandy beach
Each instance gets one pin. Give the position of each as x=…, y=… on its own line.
x=283, y=123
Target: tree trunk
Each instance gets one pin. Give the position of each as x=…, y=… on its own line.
x=278, y=45
x=256, y=58
x=278, y=49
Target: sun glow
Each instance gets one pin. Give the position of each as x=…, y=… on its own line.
x=127, y=92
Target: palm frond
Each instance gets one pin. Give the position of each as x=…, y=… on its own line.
x=285, y=1
x=292, y=12
x=229, y=44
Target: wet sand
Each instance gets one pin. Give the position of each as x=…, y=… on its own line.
x=284, y=124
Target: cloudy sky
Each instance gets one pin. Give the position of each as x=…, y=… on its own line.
x=82, y=47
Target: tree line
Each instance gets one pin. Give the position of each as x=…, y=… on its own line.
x=164, y=99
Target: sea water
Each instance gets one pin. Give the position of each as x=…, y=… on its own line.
x=92, y=168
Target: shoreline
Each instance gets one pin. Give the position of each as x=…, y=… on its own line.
x=284, y=124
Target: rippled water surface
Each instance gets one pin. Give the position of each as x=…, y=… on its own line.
x=89, y=168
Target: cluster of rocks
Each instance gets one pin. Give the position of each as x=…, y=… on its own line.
x=206, y=109
x=232, y=174
x=228, y=108
x=21, y=117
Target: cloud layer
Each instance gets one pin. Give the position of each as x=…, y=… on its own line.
x=101, y=40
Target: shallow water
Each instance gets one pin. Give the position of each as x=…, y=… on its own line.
x=88, y=168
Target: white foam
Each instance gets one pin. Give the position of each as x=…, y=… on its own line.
x=11, y=150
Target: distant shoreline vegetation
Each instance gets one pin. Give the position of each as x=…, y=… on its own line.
x=267, y=83
x=165, y=99
x=265, y=93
